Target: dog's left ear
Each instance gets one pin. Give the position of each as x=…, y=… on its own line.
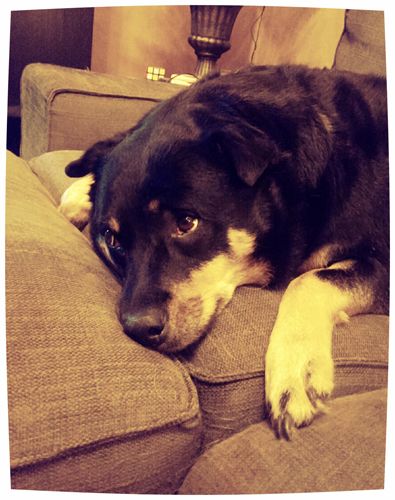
x=93, y=158
x=248, y=149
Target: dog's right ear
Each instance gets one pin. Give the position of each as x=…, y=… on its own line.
x=92, y=160
x=239, y=144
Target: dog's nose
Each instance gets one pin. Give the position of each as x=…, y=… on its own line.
x=145, y=326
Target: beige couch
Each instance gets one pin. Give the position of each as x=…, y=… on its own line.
x=91, y=410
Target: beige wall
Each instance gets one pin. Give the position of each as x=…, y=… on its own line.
x=128, y=39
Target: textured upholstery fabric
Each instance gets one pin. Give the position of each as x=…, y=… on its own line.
x=344, y=450
x=89, y=409
x=228, y=365
x=65, y=108
x=113, y=416
x=362, y=45
x=49, y=168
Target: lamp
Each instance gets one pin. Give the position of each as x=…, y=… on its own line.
x=211, y=27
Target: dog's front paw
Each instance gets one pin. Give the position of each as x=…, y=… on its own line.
x=299, y=377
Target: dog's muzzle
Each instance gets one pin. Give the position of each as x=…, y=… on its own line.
x=146, y=326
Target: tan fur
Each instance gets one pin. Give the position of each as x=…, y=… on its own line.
x=113, y=224
x=210, y=287
x=75, y=203
x=242, y=244
x=326, y=122
x=153, y=206
x=299, y=357
x=104, y=249
x=319, y=259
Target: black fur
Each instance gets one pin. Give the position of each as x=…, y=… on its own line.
x=296, y=156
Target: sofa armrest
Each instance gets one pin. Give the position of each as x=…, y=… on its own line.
x=66, y=108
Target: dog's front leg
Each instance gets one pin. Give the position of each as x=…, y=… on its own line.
x=299, y=369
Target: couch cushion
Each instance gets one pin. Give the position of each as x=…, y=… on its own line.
x=228, y=364
x=89, y=409
x=362, y=45
x=344, y=450
x=72, y=108
x=49, y=168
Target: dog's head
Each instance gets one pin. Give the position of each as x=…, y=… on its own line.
x=183, y=213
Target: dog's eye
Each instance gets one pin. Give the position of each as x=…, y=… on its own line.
x=186, y=223
x=110, y=239
x=113, y=244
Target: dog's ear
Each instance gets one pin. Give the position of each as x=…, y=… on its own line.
x=93, y=158
x=247, y=134
x=252, y=147
x=248, y=149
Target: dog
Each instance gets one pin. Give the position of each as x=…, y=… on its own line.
x=274, y=176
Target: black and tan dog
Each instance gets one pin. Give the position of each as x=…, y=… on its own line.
x=269, y=176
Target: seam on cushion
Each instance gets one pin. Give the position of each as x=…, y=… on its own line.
x=35, y=460
x=46, y=100
x=42, y=187
x=56, y=92
x=219, y=379
x=40, y=179
x=187, y=415
x=363, y=362
x=47, y=192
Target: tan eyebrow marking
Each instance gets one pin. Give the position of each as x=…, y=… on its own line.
x=113, y=223
x=326, y=122
x=153, y=205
